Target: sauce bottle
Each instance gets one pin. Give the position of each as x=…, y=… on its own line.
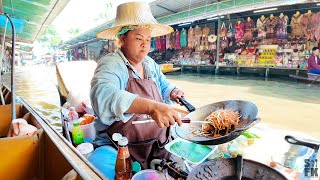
x=123, y=167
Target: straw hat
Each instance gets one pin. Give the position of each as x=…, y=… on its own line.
x=135, y=14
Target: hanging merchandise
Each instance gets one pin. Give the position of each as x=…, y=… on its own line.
x=223, y=30
x=271, y=26
x=153, y=43
x=198, y=34
x=239, y=30
x=204, y=40
x=282, y=26
x=224, y=43
x=183, y=38
x=261, y=26
x=158, y=42
x=249, y=27
x=317, y=28
x=173, y=40
x=191, y=38
x=308, y=25
x=163, y=43
x=168, y=37
x=296, y=25
x=212, y=38
x=177, y=39
x=230, y=33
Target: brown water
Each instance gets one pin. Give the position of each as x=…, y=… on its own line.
x=282, y=104
x=37, y=86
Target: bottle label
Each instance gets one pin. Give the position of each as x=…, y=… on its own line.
x=123, y=153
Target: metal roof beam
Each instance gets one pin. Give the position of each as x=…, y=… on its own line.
x=166, y=8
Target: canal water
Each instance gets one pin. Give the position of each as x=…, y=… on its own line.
x=282, y=103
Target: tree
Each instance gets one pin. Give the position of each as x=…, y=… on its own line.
x=51, y=38
x=73, y=31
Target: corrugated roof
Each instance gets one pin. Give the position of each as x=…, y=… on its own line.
x=31, y=17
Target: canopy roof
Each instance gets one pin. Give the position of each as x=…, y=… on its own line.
x=30, y=17
x=172, y=12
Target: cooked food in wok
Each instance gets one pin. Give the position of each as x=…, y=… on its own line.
x=223, y=121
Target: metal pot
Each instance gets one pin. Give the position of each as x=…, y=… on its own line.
x=228, y=169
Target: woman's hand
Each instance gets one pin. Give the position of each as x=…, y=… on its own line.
x=164, y=115
x=176, y=94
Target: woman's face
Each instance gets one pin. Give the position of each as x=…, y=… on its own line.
x=135, y=45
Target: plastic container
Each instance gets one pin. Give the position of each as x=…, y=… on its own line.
x=85, y=149
x=89, y=130
x=149, y=174
x=191, y=152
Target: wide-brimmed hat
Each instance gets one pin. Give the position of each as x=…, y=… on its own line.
x=136, y=15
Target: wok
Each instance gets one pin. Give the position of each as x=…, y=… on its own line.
x=228, y=169
x=247, y=110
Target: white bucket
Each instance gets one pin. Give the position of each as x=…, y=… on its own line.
x=89, y=130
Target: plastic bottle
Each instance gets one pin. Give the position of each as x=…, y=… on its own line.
x=72, y=115
x=123, y=167
x=77, y=133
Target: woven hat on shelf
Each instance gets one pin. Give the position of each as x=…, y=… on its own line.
x=135, y=15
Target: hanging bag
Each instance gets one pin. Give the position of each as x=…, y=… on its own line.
x=230, y=33
x=223, y=31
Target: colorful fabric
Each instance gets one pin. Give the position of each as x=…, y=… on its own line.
x=153, y=43
x=296, y=26
x=308, y=25
x=271, y=27
x=239, y=30
x=282, y=27
x=249, y=27
x=261, y=26
x=183, y=38
x=177, y=40
x=158, y=43
x=123, y=31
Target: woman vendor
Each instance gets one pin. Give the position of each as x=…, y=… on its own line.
x=314, y=61
x=129, y=86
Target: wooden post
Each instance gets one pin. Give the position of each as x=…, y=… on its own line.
x=218, y=46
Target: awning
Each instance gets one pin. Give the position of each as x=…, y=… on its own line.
x=30, y=17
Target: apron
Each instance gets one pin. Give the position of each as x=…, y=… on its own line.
x=146, y=141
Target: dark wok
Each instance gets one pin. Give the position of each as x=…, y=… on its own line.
x=226, y=169
x=248, y=119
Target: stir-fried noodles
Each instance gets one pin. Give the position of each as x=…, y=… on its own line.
x=222, y=122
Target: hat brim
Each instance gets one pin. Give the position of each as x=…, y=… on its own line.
x=156, y=30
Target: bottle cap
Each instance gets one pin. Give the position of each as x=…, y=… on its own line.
x=116, y=136
x=123, y=141
x=136, y=167
x=76, y=123
x=72, y=108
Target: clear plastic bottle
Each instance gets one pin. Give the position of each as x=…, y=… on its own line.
x=77, y=133
x=123, y=167
x=72, y=115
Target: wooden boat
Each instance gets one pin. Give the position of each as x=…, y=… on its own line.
x=167, y=68
x=308, y=79
x=70, y=73
x=44, y=155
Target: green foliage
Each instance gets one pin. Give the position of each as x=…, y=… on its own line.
x=50, y=38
